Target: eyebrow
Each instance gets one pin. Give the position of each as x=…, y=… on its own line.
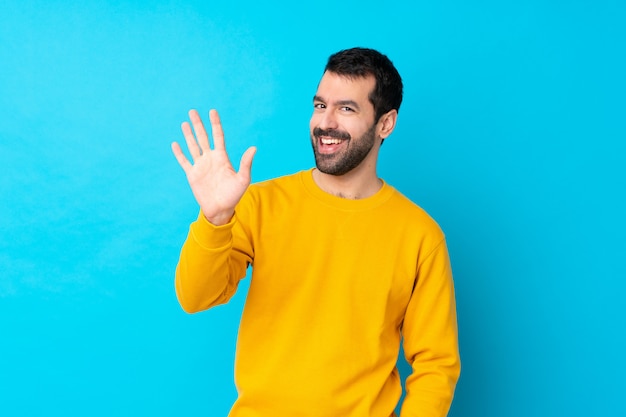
x=350, y=103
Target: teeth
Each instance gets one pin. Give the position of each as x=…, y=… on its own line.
x=330, y=141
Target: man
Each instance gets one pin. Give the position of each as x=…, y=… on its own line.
x=343, y=265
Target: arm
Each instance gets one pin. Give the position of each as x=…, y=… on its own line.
x=212, y=262
x=430, y=339
x=209, y=268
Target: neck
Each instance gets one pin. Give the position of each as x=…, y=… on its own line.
x=353, y=185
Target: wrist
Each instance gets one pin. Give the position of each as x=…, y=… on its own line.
x=219, y=219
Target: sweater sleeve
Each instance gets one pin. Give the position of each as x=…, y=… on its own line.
x=430, y=339
x=212, y=261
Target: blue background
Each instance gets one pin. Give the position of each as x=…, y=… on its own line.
x=511, y=135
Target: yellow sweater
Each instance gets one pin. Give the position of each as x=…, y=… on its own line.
x=335, y=284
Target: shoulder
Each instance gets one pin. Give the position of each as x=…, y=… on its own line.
x=287, y=183
x=412, y=216
x=272, y=192
x=279, y=182
x=402, y=202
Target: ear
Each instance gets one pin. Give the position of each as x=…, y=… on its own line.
x=387, y=123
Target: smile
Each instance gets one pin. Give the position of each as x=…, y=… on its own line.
x=330, y=141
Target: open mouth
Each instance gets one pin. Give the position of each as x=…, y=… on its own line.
x=328, y=145
x=330, y=141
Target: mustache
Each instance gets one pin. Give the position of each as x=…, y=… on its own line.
x=331, y=133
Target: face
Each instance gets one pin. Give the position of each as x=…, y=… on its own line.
x=342, y=127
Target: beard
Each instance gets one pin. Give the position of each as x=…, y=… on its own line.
x=344, y=161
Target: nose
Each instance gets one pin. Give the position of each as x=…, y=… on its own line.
x=328, y=120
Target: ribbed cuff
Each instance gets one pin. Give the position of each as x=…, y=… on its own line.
x=212, y=237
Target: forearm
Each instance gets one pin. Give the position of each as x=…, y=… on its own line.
x=430, y=388
x=209, y=268
x=431, y=341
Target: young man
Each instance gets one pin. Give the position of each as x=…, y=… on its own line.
x=344, y=266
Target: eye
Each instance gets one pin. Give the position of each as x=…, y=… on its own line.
x=347, y=109
x=319, y=105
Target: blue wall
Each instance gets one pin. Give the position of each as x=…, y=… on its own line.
x=511, y=135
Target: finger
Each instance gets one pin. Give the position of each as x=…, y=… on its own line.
x=216, y=130
x=180, y=157
x=245, y=166
x=198, y=127
x=190, y=139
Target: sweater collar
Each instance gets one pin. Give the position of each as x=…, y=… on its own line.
x=367, y=203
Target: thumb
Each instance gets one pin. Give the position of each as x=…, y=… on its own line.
x=245, y=165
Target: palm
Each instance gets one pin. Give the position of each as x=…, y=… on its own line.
x=215, y=184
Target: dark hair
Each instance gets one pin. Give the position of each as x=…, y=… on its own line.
x=362, y=62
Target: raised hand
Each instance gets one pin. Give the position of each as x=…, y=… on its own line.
x=214, y=182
